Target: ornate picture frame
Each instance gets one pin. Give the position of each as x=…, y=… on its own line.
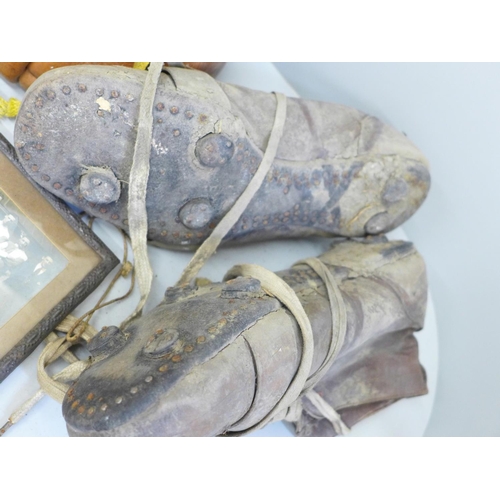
x=50, y=261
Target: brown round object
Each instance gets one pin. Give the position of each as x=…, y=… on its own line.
x=12, y=70
x=26, y=79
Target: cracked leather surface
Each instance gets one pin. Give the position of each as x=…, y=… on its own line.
x=338, y=171
x=215, y=359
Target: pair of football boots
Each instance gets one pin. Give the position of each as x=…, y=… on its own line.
x=216, y=359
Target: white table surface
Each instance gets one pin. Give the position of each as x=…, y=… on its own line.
x=405, y=418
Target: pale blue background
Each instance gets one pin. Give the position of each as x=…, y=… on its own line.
x=452, y=113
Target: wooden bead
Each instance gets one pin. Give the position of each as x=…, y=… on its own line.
x=12, y=70
x=26, y=79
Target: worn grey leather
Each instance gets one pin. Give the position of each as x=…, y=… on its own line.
x=337, y=171
x=215, y=359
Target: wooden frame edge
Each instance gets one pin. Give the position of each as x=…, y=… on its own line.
x=81, y=291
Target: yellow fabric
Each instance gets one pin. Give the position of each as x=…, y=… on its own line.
x=141, y=65
x=9, y=108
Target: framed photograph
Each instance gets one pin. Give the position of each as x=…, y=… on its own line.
x=50, y=261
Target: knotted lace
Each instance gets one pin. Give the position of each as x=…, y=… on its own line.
x=289, y=406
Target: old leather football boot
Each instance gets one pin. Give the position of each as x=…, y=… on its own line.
x=337, y=171
x=226, y=358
